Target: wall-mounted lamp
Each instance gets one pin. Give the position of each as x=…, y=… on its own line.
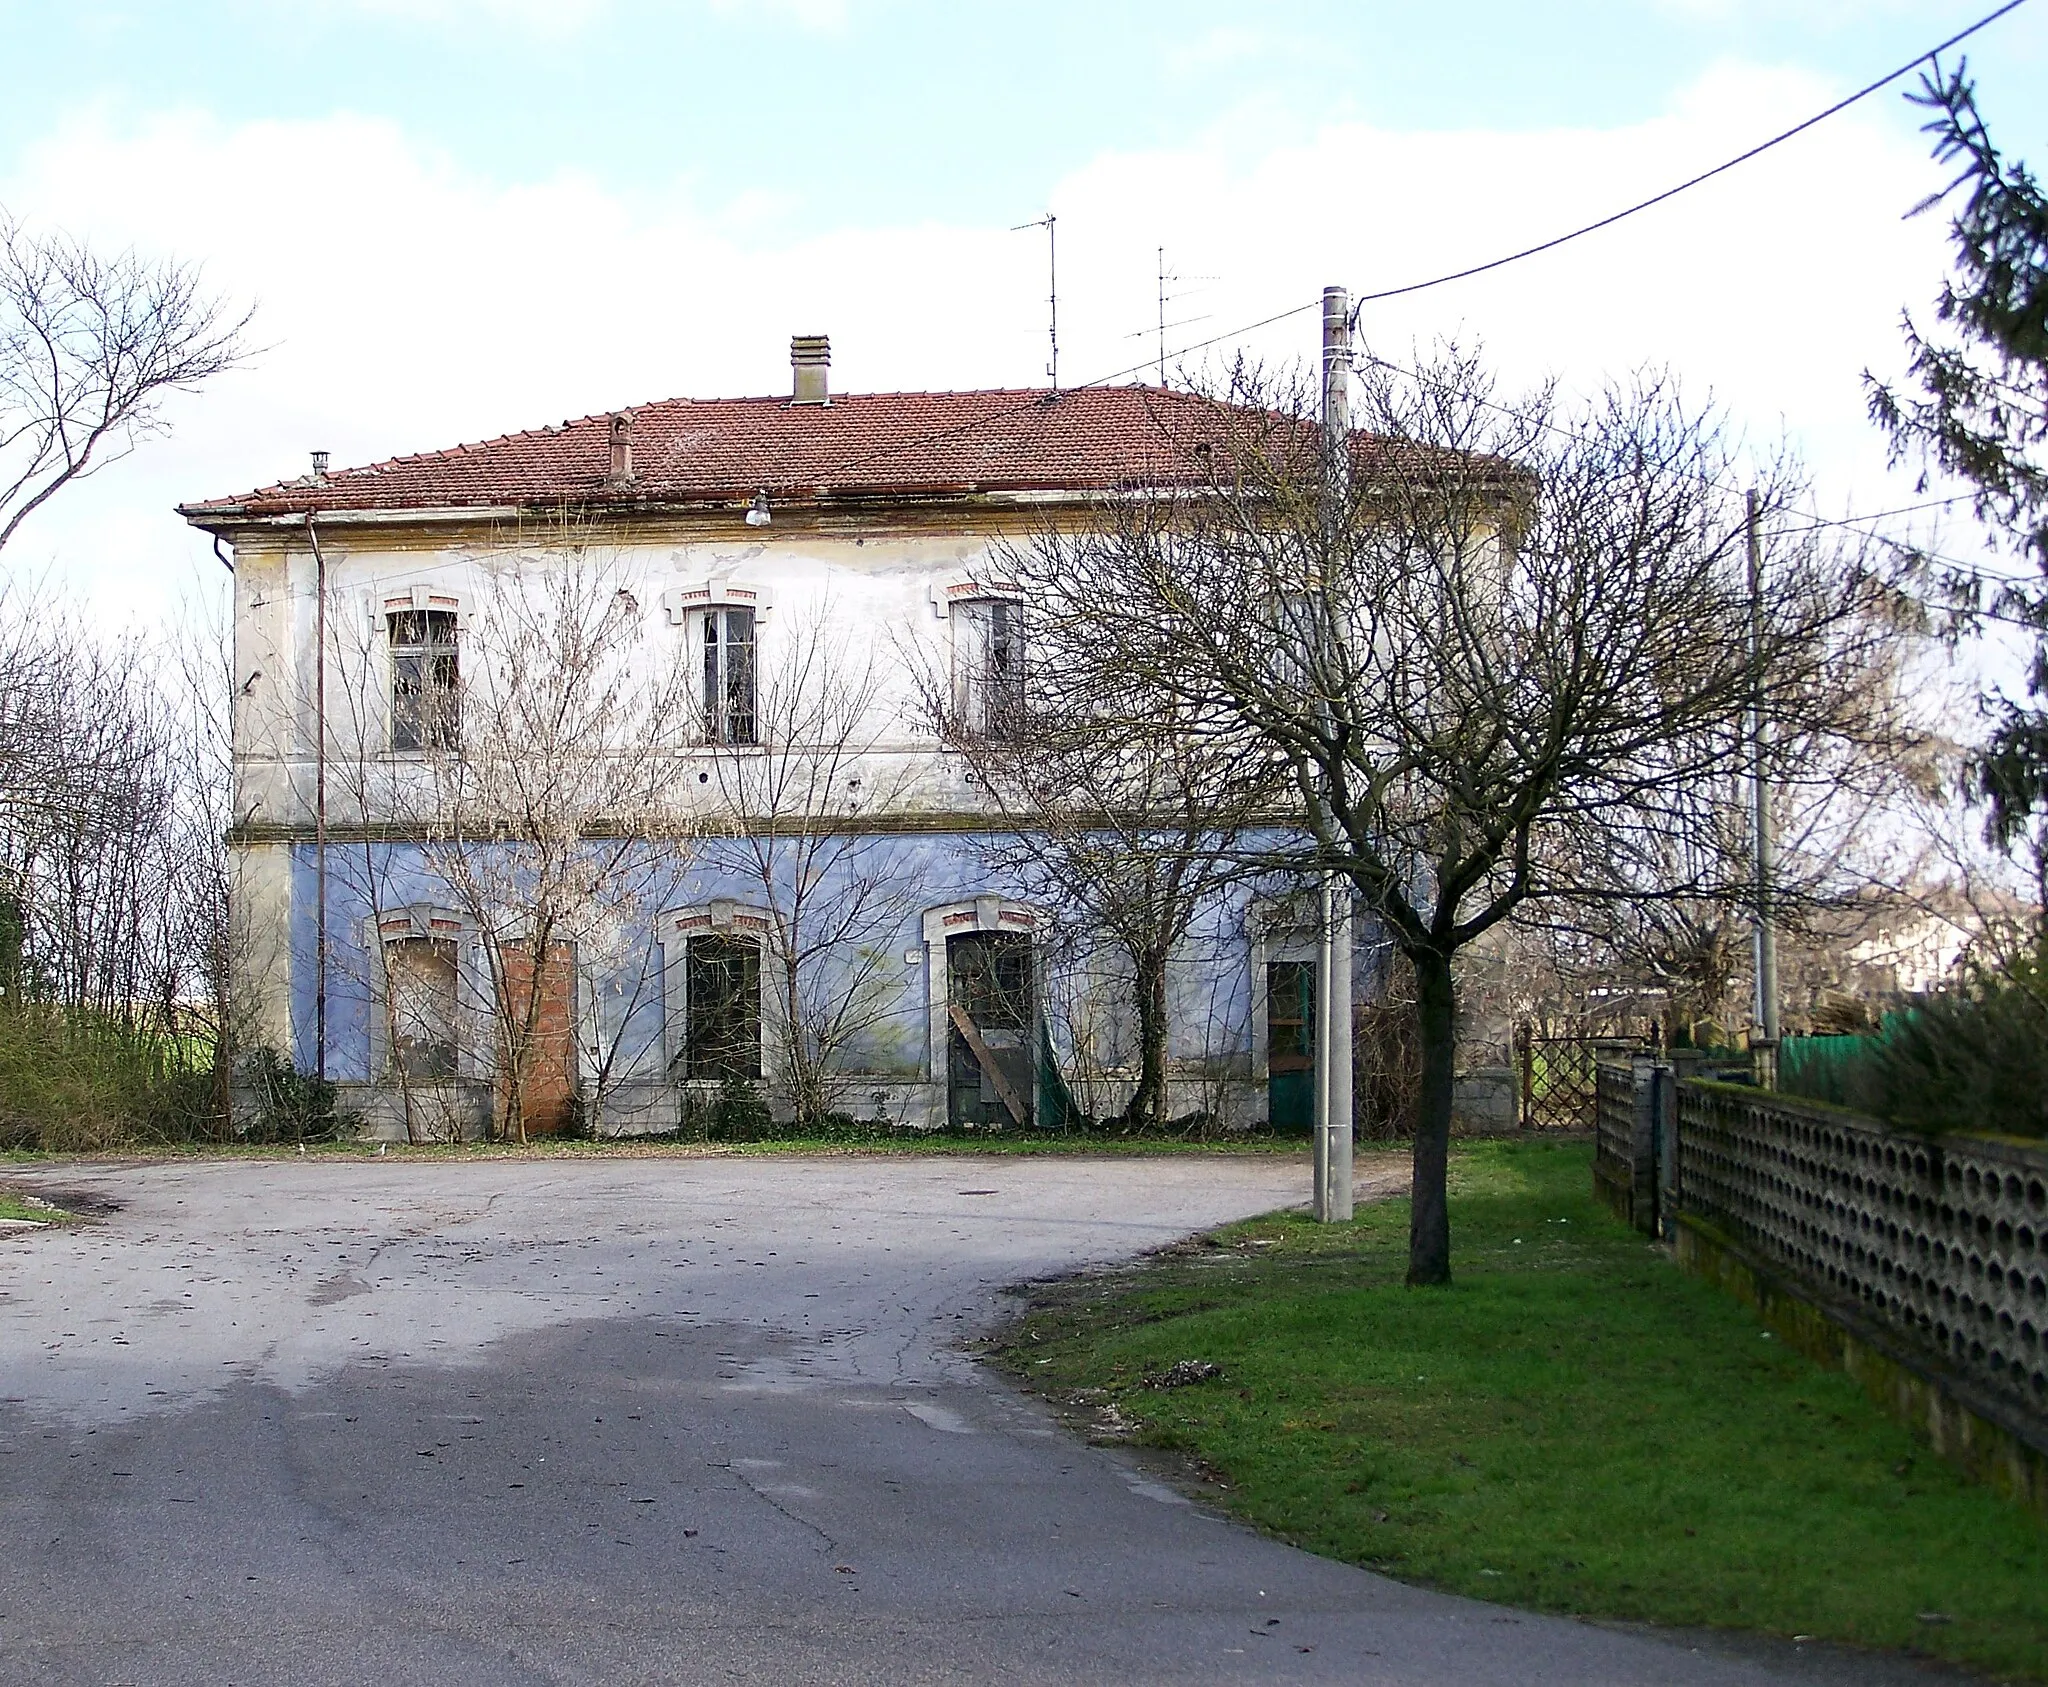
x=757, y=514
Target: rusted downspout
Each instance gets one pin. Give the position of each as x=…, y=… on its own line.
x=319, y=800
x=224, y=1057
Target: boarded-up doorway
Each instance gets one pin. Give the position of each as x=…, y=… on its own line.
x=991, y=1011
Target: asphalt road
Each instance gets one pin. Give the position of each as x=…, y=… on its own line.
x=646, y=1421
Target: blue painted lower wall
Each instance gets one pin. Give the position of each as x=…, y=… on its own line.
x=899, y=879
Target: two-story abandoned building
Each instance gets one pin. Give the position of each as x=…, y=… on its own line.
x=797, y=892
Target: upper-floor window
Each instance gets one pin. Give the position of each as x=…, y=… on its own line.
x=425, y=679
x=729, y=676
x=988, y=666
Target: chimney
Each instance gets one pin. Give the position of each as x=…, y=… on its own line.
x=319, y=465
x=622, y=448
x=810, y=356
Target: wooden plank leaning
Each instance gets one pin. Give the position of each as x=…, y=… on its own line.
x=986, y=1055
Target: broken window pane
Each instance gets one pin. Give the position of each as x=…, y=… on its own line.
x=988, y=666
x=425, y=680
x=1290, y=1014
x=729, y=676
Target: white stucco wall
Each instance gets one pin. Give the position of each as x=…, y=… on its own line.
x=876, y=596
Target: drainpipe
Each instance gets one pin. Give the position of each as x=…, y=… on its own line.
x=319, y=800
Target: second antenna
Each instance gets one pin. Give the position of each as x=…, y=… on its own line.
x=1052, y=270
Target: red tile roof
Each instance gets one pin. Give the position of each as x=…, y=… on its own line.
x=863, y=446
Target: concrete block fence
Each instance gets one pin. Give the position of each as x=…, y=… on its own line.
x=1920, y=1264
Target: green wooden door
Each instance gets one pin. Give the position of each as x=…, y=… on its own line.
x=1291, y=1046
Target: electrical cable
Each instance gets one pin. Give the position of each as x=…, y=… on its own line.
x=1857, y=521
x=1704, y=176
x=1363, y=300
x=1037, y=400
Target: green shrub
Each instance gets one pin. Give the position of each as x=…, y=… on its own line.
x=1975, y=1059
x=737, y=1113
x=1970, y=1059
x=75, y=1082
x=287, y=1105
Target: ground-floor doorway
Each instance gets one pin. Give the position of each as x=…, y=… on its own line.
x=1290, y=1045
x=991, y=1025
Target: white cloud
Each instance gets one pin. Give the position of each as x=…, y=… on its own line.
x=409, y=304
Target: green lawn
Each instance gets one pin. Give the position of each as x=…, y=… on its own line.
x=1575, y=1426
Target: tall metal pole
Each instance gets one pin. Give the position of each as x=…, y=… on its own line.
x=1052, y=276
x=1049, y=223
x=1162, y=316
x=1333, y=1043
x=1766, y=931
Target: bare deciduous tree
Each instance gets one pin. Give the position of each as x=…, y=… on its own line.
x=90, y=346
x=113, y=841
x=1840, y=801
x=795, y=803
x=530, y=755
x=1124, y=831
x=1507, y=630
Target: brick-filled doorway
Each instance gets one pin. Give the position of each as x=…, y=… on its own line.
x=549, y=1093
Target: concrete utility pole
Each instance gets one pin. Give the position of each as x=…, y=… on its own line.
x=1333, y=952
x=1766, y=931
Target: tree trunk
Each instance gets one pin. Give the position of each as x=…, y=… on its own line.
x=1429, y=1222
x=1148, y=1100
x=800, y=1084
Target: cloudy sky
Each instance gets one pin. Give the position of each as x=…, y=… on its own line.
x=460, y=217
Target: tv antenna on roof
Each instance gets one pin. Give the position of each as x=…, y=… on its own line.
x=1052, y=267
x=1167, y=279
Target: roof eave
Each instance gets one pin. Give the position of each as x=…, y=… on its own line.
x=218, y=518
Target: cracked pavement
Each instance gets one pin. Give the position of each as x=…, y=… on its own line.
x=647, y=1421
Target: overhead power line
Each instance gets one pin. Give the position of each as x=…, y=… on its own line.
x=1034, y=400
x=1858, y=521
x=1694, y=181
x=899, y=446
